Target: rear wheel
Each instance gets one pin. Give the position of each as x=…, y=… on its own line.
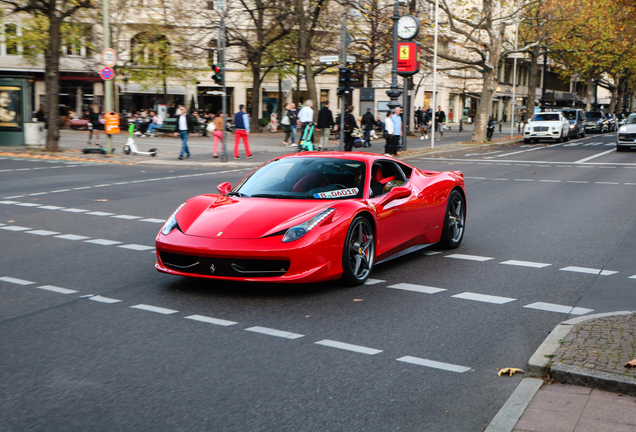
x=358, y=253
x=454, y=221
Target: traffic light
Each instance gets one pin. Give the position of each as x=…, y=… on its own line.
x=218, y=75
x=344, y=80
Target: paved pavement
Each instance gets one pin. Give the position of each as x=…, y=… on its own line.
x=94, y=339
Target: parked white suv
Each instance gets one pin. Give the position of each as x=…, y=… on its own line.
x=547, y=125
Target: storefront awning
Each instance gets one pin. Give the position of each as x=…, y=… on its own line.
x=139, y=89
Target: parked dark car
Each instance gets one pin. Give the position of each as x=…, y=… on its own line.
x=577, y=120
x=613, y=122
x=596, y=122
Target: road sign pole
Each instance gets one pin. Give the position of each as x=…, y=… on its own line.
x=224, y=157
x=108, y=84
x=343, y=63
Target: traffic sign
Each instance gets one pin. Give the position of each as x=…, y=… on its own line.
x=109, y=57
x=107, y=73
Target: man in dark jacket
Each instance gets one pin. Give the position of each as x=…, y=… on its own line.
x=325, y=122
x=368, y=123
x=185, y=126
x=349, y=125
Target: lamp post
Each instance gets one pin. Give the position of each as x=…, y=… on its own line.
x=108, y=84
x=545, y=76
x=394, y=93
x=434, y=99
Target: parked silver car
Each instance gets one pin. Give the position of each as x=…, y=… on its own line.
x=626, y=136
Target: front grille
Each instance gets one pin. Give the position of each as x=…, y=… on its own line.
x=627, y=137
x=227, y=267
x=541, y=128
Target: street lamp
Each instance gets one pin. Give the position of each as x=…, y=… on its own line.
x=545, y=76
x=394, y=93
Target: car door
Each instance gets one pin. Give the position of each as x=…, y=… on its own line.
x=399, y=221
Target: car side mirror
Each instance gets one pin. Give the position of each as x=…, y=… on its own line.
x=224, y=188
x=396, y=193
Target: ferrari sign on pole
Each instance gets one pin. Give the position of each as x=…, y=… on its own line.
x=408, y=58
x=109, y=57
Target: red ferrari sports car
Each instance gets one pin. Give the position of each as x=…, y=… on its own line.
x=313, y=216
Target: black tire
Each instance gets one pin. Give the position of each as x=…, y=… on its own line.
x=621, y=148
x=358, y=253
x=561, y=139
x=567, y=136
x=454, y=221
x=527, y=141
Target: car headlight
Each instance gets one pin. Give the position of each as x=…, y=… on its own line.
x=572, y=126
x=296, y=232
x=528, y=127
x=171, y=223
x=623, y=129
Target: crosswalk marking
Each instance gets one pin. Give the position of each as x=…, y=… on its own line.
x=348, y=347
x=101, y=299
x=525, y=264
x=274, y=332
x=483, y=298
x=164, y=311
x=551, y=307
x=57, y=289
x=588, y=270
x=433, y=364
x=373, y=281
x=15, y=281
x=417, y=288
x=211, y=320
x=469, y=257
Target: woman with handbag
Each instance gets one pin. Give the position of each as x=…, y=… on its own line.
x=215, y=127
x=285, y=122
x=388, y=133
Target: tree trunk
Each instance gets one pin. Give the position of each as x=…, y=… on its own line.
x=481, y=119
x=614, y=91
x=621, y=94
x=52, y=80
x=589, y=91
x=256, y=95
x=532, y=82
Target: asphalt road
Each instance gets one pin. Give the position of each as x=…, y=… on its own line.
x=93, y=338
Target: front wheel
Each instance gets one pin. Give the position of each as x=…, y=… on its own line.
x=358, y=253
x=454, y=221
x=127, y=149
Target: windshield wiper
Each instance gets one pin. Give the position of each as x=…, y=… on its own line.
x=238, y=194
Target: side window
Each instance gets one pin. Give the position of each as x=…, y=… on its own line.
x=406, y=170
x=385, y=175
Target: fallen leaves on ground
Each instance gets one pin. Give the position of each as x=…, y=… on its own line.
x=101, y=200
x=357, y=299
x=631, y=363
x=509, y=371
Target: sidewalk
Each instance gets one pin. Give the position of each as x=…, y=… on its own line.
x=595, y=390
x=264, y=146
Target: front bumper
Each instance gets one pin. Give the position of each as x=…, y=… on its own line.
x=315, y=257
x=594, y=128
x=542, y=135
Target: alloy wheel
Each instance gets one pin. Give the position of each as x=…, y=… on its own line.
x=361, y=249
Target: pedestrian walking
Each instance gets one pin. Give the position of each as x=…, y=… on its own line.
x=325, y=122
x=440, y=119
x=491, y=128
x=95, y=124
x=418, y=117
x=397, y=130
x=349, y=125
x=293, y=121
x=424, y=124
x=156, y=123
x=285, y=123
x=185, y=126
x=218, y=132
x=241, y=131
x=368, y=124
x=306, y=117
x=388, y=134
x=172, y=110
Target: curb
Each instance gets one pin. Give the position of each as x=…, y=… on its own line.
x=511, y=412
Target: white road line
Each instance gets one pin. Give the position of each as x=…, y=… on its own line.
x=523, y=151
x=15, y=196
x=71, y=237
x=103, y=242
x=210, y=320
x=61, y=190
x=348, y=347
x=42, y=232
x=152, y=220
x=595, y=156
x=39, y=193
x=526, y=180
x=550, y=181
x=15, y=281
x=74, y=210
x=499, y=179
x=607, y=183
x=434, y=364
x=588, y=270
x=274, y=332
x=483, y=298
x=417, y=288
x=50, y=207
x=373, y=281
x=469, y=257
x=28, y=204
x=101, y=299
x=551, y=307
x=632, y=277
x=136, y=247
x=15, y=228
x=525, y=264
x=431, y=253
x=129, y=217
x=156, y=309
x=8, y=202
x=57, y=289
x=576, y=181
x=475, y=178
x=98, y=213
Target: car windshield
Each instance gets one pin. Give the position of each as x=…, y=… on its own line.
x=570, y=115
x=631, y=119
x=305, y=178
x=545, y=117
x=593, y=115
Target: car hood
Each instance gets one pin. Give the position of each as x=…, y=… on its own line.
x=224, y=217
x=545, y=123
x=631, y=128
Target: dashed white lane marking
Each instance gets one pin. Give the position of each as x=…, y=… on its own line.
x=588, y=270
x=525, y=264
x=594, y=156
x=74, y=210
x=431, y=253
x=499, y=179
x=417, y=288
x=550, y=181
x=434, y=364
x=50, y=207
x=469, y=257
x=28, y=205
x=576, y=181
x=16, y=281
x=373, y=281
x=71, y=237
x=526, y=180
x=9, y=202
x=211, y=320
x=15, y=228
x=348, y=347
x=98, y=213
x=129, y=217
x=274, y=332
x=551, y=307
x=136, y=247
x=632, y=277
x=608, y=183
x=101, y=299
x=103, y=242
x=483, y=298
x=57, y=289
x=42, y=232
x=164, y=311
x=152, y=220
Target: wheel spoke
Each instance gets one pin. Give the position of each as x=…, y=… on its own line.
x=365, y=261
x=458, y=208
x=357, y=267
x=360, y=239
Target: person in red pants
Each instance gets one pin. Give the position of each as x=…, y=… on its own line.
x=241, y=130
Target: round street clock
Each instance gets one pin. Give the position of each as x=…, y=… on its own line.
x=408, y=27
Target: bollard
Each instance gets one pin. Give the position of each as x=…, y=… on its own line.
x=460, y=125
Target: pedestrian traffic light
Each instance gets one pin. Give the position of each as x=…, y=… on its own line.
x=218, y=75
x=344, y=80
